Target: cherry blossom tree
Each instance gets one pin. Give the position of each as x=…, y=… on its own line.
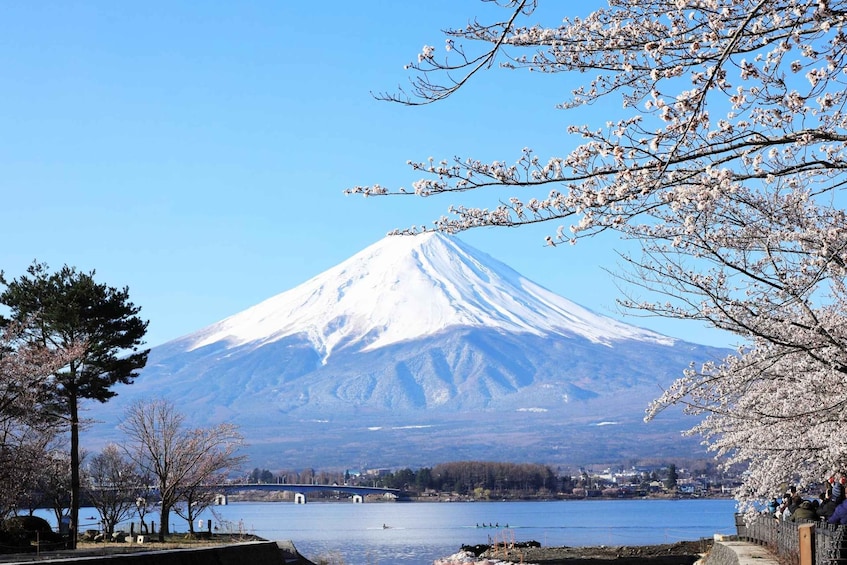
x=55, y=481
x=26, y=370
x=27, y=431
x=725, y=162
x=22, y=449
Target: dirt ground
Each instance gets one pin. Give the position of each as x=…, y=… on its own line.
x=89, y=549
x=680, y=553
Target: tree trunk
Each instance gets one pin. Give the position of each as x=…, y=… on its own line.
x=163, y=521
x=74, y=523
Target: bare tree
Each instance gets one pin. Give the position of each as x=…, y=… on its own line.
x=114, y=485
x=176, y=457
x=143, y=507
x=726, y=162
x=197, y=495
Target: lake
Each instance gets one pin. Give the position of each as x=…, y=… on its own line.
x=416, y=533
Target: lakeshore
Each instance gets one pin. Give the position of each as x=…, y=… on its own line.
x=680, y=553
x=418, y=533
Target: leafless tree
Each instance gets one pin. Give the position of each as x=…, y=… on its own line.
x=196, y=496
x=176, y=457
x=143, y=507
x=113, y=485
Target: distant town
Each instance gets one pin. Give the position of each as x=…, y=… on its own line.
x=481, y=480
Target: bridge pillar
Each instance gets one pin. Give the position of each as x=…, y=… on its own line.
x=358, y=499
x=299, y=498
x=221, y=500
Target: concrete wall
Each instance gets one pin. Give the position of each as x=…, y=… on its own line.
x=739, y=553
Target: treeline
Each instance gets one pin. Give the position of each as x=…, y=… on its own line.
x=466, y=477
x=461, y=477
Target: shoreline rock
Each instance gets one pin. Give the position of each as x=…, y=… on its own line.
x=679, y=553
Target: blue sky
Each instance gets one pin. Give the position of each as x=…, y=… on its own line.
x=198, y=153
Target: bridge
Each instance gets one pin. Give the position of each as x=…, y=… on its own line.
x=358, y=493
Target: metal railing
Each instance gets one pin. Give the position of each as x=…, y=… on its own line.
x=783, y=539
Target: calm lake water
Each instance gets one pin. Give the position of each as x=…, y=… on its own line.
x=416, y=533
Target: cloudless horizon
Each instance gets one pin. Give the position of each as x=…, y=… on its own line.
x=198, y=154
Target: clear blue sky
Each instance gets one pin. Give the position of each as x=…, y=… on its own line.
x=198, y=152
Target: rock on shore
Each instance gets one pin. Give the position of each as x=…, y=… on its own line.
x=680, y=553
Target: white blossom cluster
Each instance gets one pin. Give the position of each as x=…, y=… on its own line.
x=727, y=165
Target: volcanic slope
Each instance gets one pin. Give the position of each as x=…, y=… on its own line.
x=419, y=350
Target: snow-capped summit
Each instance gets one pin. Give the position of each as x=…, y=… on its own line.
x=407, y=287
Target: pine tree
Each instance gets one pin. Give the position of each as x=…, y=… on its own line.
x=68, y=308
x=673, y=477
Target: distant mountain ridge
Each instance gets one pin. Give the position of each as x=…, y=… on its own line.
x=419, y=350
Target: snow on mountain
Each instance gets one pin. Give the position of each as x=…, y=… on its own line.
x=407, y=287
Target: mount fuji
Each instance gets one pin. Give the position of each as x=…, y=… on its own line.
x=419, y=350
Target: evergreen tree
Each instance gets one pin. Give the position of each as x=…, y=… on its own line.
x=423, y=478
x=66, y=309
x=673, y=477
